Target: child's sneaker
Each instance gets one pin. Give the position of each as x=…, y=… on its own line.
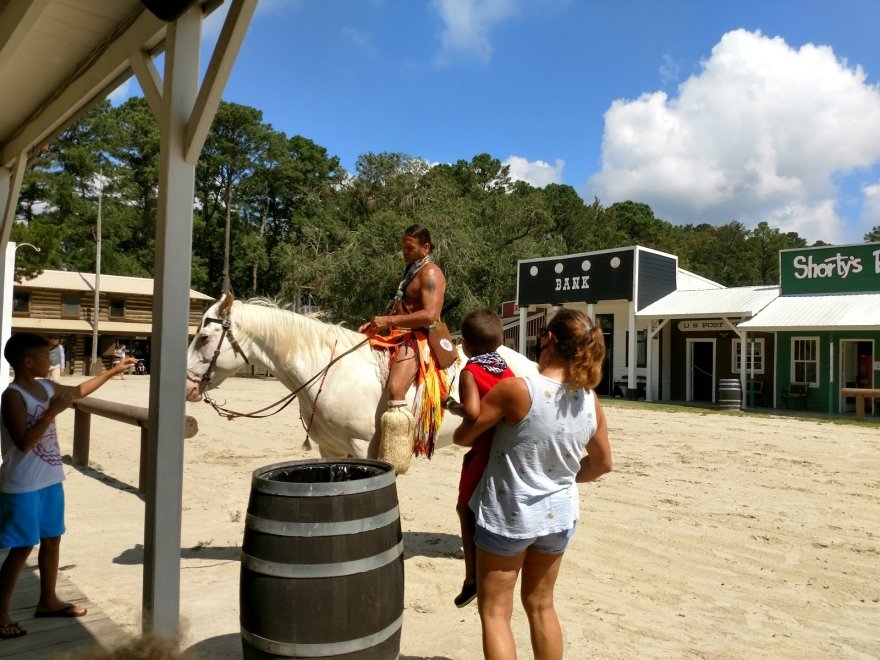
x=468, y=593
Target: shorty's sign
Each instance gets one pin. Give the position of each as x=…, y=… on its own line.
x=703, y=325
x=838, y=269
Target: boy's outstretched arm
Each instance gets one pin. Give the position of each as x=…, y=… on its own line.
x=87, y=387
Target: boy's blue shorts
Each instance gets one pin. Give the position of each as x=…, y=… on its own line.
x=549, y=544
x=25, y=518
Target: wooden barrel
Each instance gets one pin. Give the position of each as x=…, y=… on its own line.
x=322, y=562
x=729, y=393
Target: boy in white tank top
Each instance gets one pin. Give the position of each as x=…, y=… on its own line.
x=31, y=496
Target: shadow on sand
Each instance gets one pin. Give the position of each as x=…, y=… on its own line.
x=229, y=646
x=415, y=544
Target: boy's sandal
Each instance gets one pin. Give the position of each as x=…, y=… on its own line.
x=69, y=610
x=11, y=631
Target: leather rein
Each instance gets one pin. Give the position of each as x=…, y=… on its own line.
x=229, y=414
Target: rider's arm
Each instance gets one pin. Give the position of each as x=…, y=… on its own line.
x=432, y=289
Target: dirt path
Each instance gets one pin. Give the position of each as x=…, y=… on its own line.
x=717, y=535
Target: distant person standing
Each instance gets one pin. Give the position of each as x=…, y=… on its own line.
x=56, y=360
x=118, y=358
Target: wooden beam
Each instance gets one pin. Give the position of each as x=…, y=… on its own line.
x=149, y=79
x=228, y=44
x=144, y=33
x=9, y=197
x=16, y=18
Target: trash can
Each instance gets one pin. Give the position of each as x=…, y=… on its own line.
x=729, y=393
x=322, y=562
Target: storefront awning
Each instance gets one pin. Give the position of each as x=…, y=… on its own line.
x=735, y=302
x=855, y=311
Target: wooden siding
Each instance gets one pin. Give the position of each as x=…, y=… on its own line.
x=138, y=309
x=48, y=304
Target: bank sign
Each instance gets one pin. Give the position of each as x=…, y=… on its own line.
x=837, y=269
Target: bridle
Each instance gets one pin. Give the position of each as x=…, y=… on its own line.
x=226, y=324
x=279, y=405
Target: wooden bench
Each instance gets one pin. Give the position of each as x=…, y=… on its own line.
x=860, y=394
x=795, y=392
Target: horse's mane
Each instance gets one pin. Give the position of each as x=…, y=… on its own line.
x=286, y=330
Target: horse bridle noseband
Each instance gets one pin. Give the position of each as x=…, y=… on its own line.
x=226, y=324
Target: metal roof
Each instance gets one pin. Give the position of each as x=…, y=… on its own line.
x=20, y=323
x=63, y=280
x=685, y=279
x=739, y=302
x=852, y=311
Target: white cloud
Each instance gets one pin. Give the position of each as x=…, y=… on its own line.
x=467, y=24
x=759, y=134
x=812, y=221
x=536, y=173
x=870, y=216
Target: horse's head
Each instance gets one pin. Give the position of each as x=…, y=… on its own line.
x=214, y=353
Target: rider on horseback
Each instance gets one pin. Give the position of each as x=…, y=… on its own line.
x=415, y=308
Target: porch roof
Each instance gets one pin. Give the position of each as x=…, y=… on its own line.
x=850, y=311
x=20, y=323
x=63, y=280
x=735, y=302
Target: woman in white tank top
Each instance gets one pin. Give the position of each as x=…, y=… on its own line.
x=527, y=502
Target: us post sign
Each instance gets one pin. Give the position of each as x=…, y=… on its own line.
x=830, y=269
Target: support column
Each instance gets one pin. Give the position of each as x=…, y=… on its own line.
x=10, y=186
x=632, y=383
x=7, y=267
x=161, y=597
x=743, y=361
x=523, y=328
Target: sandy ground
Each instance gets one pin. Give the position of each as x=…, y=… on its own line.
x=717, y=535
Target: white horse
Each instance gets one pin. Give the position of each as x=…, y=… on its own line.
x=297, y=349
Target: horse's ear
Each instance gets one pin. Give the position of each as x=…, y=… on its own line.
x=226, y=303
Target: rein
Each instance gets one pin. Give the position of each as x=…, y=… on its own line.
x=283, y=402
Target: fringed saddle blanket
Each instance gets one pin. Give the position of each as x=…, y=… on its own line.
x=432, y=385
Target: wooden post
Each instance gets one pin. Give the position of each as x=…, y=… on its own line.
x=82, y=423
x=142, y=472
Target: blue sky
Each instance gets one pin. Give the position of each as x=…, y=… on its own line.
x=707, y=110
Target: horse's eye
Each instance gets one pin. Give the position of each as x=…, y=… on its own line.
x=203, y=339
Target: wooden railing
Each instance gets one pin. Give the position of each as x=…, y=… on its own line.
x=121, y=412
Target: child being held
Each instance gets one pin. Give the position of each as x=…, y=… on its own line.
x=481, y=335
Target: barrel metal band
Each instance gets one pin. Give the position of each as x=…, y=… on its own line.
x=318, y=529
x=340, y=569
x=291, y=489
x=289, y=649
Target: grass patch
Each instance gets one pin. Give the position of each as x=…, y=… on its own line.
x=661, y=406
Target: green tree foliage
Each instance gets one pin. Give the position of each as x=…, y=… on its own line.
x=278, y=216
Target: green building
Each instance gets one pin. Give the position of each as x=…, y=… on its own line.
x=826, y=324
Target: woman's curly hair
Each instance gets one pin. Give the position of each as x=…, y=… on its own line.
x=581, y=344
